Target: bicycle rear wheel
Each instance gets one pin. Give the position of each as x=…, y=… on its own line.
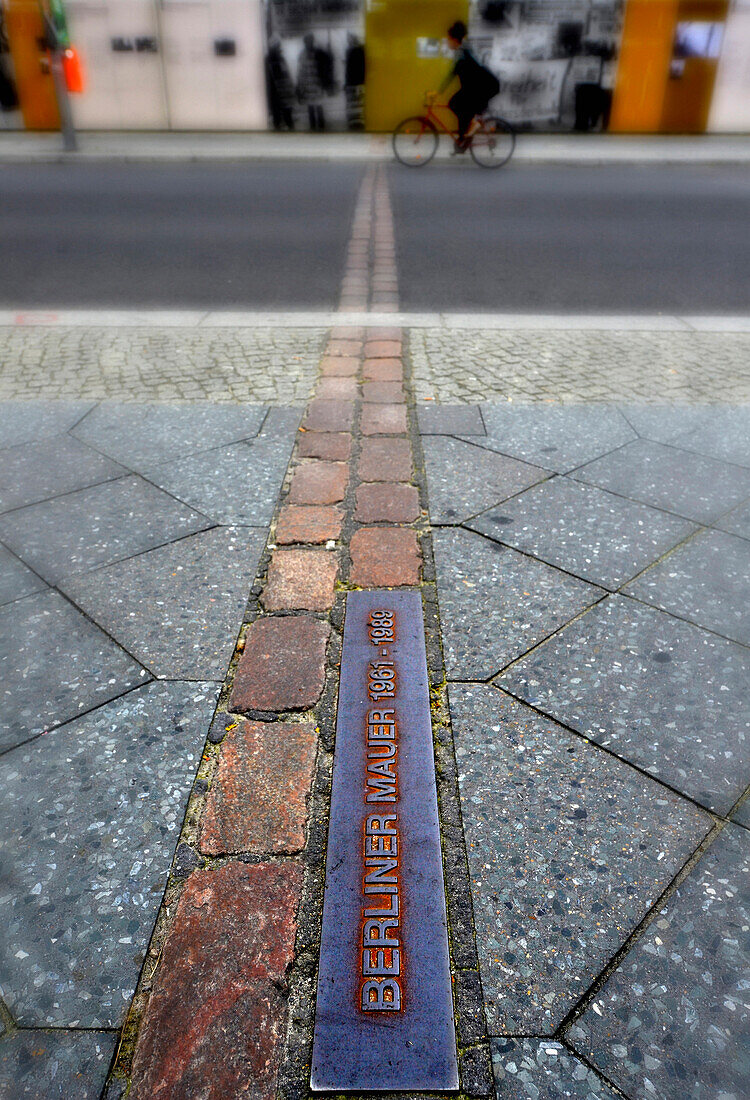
x=493, y=143
x=415, y=142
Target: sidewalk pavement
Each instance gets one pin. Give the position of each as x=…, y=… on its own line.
x=173, y=595
x=572, y=149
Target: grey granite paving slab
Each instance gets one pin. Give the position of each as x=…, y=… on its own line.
x=742, y=815
x=16, y=580
x=679, y=481
x=673, y=1020
x=96, y=526
x=663, y=423
x=281, y=422
x=236, y=484
x=55, y=1065
x=737, y=522
x=141, y=436
x=568, y=850
x=36, y=471
x=54, y=664
x=496, y=603
x=587, y=531
x=27, y=421
x=450, y=420
x=707, y=580
x=534, y=1069
x=89, y=820
x=557, y=437
x=659, y=692
x=724, y=434
x=178, y=608
x=463, y=480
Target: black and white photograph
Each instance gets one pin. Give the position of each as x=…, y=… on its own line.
x=315, y=64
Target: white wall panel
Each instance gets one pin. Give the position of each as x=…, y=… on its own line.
x=213, y=63
x=118, y=41
x=730, y=103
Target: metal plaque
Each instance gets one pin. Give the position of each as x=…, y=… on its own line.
x=384, y=1013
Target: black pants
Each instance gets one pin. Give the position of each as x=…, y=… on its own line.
x=316, y=117
x=465, y=105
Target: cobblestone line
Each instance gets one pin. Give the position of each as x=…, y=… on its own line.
x=393, y=463
x=355, y=285
x=232, y=944
x=227, y=994
x=384, y=293
x=565, y=367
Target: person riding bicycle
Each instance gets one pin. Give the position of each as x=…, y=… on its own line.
x=478, y=85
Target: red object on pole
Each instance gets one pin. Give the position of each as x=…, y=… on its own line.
x=72, y=71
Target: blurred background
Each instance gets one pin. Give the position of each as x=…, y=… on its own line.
x=632, y=66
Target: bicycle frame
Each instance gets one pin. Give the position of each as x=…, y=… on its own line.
x=432, y=115
x=436, y=120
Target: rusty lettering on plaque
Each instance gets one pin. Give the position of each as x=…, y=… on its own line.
x=381, y=987
x=384, y=1009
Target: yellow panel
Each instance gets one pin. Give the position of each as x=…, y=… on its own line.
x=36, y=92
x=396, y=78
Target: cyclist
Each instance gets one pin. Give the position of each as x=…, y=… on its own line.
x=478, y=85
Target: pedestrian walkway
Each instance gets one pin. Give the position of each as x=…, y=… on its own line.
x=131, y=536
x=593, y=149
x=184, y=511
x=593, y=566
x=590, y=565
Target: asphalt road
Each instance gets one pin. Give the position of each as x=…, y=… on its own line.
x=185, y=235
x=574, y=239
x=273, y=236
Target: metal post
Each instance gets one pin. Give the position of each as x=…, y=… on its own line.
x=56, y=32
x=70, y=144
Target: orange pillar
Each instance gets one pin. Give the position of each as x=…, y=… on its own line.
x=643, y=66
x=687, y=98
x=36, y=92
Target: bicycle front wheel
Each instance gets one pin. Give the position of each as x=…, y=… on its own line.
x=415, y=142
x=493, y=143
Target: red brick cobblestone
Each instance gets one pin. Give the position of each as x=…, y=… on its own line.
x=385, y=556
x=334, y=388
x=300, y=580
x=345, y=367
x=215, y=1023
x=348, y=333
x=382, y=392
x=258, y=801
x=329, y=416
x=383, y=349
x=334, y=446
x=313, y=523
x=282, y=666
x=382, y=334
x=319, y=482
x=385, y=460
x=387, y=501
x=344, y=347
x=383, y=370
x=383, y=419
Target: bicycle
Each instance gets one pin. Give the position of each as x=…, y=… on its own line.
x=490, y=140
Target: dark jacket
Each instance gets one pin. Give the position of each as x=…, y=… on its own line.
x=476, y=82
